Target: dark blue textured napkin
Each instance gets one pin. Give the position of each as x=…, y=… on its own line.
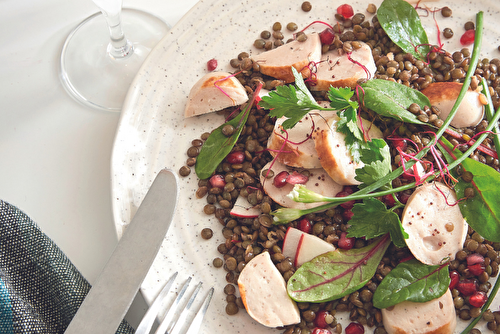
x=40, y=289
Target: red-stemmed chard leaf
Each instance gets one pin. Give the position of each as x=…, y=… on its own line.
x=337, y=273
x=482, y=211
x=412, y=281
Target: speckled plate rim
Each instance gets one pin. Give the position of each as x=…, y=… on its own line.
x=152, y=133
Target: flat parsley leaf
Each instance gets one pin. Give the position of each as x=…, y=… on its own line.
x=376, y=156
x=291, y=102
x=341, y=98
x=372, y=219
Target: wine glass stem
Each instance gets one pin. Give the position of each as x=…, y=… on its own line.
x=119, y=47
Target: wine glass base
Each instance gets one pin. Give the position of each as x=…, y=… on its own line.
x=90, y=74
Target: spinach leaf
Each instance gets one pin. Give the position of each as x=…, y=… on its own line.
x=372, y=219
x=218, y=146
x=412, y=281
x=482, y=211
x=391, y=99
x=335, y=274
x=402, y=24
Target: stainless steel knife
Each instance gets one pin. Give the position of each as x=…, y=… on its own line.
x=113, y=292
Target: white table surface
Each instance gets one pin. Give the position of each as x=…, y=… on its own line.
x=54, y=152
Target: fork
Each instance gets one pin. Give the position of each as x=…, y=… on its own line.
x=169, y=325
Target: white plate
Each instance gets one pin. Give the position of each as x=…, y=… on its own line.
x=153, y=133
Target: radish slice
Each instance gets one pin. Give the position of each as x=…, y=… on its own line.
x=436, y=229
x=291, y=242
x=215, y=91
x=434, y=316
x=263, y=292
x=277, y=62
x=319, y=182
x=309, y=247
x=244, y=209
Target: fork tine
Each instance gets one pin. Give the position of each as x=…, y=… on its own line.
x=194, y=328
x=150, y=316
x=181, y=320
x=173, y=309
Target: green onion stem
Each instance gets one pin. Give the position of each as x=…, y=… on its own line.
x=488, y=110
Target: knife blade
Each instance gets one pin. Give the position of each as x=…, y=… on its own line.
x=110, y=297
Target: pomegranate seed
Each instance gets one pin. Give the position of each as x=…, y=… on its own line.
x=297, y=178
x=323, y=319
x=320, y=331
x=354, y=328
x=280, y=179
x=455, y=277
x=476, y=269
x=467, y=287
x=468, y=37
x=211, y=64
x=389, y=200
x=236, y=157
x=346, y=11
x=345, y=242
x=399, y=143
x=478, y=299
x=346, y=205
x=327, y=36
x=347, y=214
x=217, y=181
x=305, y=225
x=474, y=258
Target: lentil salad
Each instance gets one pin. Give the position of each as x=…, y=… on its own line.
x=241, y=243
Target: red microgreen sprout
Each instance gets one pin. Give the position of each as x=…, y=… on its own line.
x=222, y=79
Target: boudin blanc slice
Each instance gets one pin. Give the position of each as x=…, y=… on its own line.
x=215, y=91
x=334, y=155
x=436, y=229
x=318, y=181
x=263, y=292
x=436, y=316
x=337, y=70
x=277, y=62
x=295, y=147
x=444, y=94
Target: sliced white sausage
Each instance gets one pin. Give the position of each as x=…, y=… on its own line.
x=318, y=181
x=337, y=70
x=436, y=229
x=334, y=156
x=295, y=147
x=436, y=316
x=444, y=94
x=277, y=62
x=263, y=292
x=215, y=91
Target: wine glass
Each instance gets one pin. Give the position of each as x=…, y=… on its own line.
x=97, y=64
